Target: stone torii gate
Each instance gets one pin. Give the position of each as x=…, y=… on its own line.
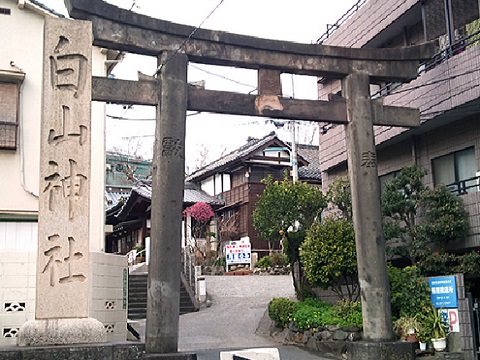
x=174, y=46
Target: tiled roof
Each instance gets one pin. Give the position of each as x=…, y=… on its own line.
x=113, y=196
x=45, y=7
x=312, y=170
x=251, y=146
x=308, y=152
x=191, y=194
x=143, y=189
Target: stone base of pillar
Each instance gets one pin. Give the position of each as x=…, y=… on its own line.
x=61, y=332
x=380, y=350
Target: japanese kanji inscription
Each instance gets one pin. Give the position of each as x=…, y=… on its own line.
x=64, y=216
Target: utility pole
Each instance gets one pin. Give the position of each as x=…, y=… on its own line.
x=293, y=154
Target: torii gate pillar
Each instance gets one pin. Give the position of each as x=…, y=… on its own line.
x=163, y=289
x=367, y=221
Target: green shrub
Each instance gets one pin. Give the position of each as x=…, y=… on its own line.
x=409, y=291
x=314, y=313
x=348, y=313
x=265, y=262
x=329, y=257
x=311, y=314
x=279, y=259
x=281, y=310
x=220, y=261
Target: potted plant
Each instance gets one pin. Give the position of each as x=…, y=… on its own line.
x=424, y=336
x=140, y=256
x=407, y=328
x=436, y=328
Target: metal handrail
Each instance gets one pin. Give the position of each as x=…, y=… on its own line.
x=439, y=57
x=461, y=187
x=188, y=266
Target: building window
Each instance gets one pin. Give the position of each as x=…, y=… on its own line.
x=9, y=105
x=457, y=171
x=387, y=177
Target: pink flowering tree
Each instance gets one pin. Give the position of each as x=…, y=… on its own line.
x=201, y=213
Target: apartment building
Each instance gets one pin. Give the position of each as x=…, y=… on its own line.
x=447, y=92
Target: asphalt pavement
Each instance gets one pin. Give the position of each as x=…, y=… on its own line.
x=237, y=319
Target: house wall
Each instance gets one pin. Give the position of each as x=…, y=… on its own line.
x=259, y=244
x=18, y=236
x=19, y=182
x=371, y=19
x=208, y=185
x=19, y=187
x=216, y=184
x=108, y=293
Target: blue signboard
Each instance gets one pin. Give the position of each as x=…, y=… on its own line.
x=443, y=292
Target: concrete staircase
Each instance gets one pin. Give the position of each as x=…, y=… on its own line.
x=137, y=297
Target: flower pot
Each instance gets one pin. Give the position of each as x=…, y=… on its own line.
x=411, y=331
x=423, y=346
x=439, y=344
x=411, y=338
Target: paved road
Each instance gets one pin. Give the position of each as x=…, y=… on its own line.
x=236, y=320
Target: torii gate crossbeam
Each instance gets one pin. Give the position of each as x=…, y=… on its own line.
x=123, y=30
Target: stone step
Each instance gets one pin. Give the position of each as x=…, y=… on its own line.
x=137, y=298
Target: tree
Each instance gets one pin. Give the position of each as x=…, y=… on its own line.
x=329, y=257
x=401, y=201
x=285, y=211
x=446, y=217
x=201, y=213
x=227, y=226
x=339, y=195
x=443, y=218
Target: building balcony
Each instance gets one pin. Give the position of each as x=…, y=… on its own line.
x=447, y=89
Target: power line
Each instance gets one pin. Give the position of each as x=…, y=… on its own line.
x=224, y=77
x=188, y=38
x=134, y=3
x=142, y=119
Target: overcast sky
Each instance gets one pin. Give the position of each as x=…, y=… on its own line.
x=300, y=21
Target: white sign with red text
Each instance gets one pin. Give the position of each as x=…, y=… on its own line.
x=450, y=318
x=238, y=253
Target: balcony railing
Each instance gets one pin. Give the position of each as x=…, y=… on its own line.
x=450, y=51
x=456, y=48
x=465, y=186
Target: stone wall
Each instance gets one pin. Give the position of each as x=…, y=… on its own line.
x=17, y=293
x=109, y=293
x=330, y=340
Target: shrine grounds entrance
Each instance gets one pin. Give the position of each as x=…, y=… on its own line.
x=176, y=45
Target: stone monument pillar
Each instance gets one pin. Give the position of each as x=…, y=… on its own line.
x=63, y=272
